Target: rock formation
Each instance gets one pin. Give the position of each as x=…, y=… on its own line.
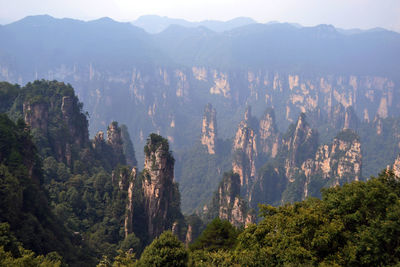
x=36, y=115
x=300, y=144
x=335, y=164
x=351, y=120
x=71, y=124
x=98, y=141
x=114, y=140
x=129, y=206
x=75, y=121
x=245, y=151
x=227, y=203
x=161, y=196
x=270, y=139
x=209, y=129
x=395, y=167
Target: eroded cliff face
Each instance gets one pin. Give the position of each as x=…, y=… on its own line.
x=152, y=99
x=129, y=185
x=117, y=94
x=270, y=139
x=36, y=116
x=161, y=196
x=227, y=203
x=114, y=140
x=336, y=163
x=245, y=151
x=71, y=124
x=395, y=167
x=71, y=114
x=209, y=129
x=299, y=144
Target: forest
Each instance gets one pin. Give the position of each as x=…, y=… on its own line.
x=67, y=200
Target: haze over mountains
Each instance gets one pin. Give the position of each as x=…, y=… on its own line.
x=162, y=82
x=157, y=24
x=230, y=115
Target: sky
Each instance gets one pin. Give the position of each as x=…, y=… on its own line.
x=346, y=14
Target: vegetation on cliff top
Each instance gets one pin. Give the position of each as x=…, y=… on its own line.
x=357, y=224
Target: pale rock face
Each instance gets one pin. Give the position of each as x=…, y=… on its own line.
x=383, y=108
x=250, y=219
x=229, y=204
x=157, y=187
x=182, y=85
x=379, y=126
x=209, y=129
x=269, y=136
x=245, y=142
x=303, y=136
x=396, y=167
x=366, y=116
x=221, y=85
x=253, y=80
x=175, y=228
x=237, y=217
x=164, y=75
x=189, y=235
x=353, y=82
x=136, y=86
x=343, y=98
x=336, y=163
x=277, y=83
x=293, y=81
x=200, y=73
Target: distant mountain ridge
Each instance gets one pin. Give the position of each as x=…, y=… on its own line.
x=160, y=83
x=156, y=24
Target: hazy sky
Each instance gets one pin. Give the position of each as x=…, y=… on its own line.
x=341, y=13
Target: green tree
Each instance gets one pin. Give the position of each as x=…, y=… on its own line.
x=219, y=234
x=166, y=250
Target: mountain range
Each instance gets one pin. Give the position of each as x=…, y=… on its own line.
x=160, y=78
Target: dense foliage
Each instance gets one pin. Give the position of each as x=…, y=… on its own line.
x=357, y=224
x=166, y=250
x=24, y=205
x=65, y=194
x=64, y=201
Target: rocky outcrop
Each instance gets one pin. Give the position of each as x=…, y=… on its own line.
x=189, y=235
x=98, y=141
x=161, y=196
x=343, y=118
x=114, y=140
x=209, y=129
x=75, y=121
x=335, y=164
x=300, y=144
x=312, y=167
x=245, y=151
x=36, y=115
x=395, y=167
x=61, y=114
x=378, y=124
x=351, y=120
x=270, y=139
x=129, y=206
x=227, y=203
